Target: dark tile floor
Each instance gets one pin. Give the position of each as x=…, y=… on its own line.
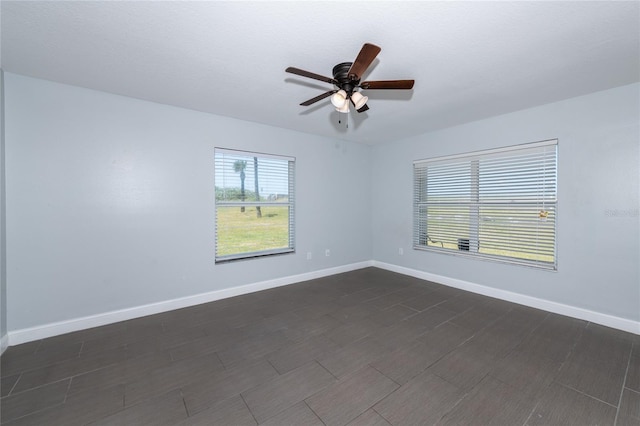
x=368, y=347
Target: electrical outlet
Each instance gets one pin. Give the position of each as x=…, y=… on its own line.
x=327, y=252
x=309, y=255
x=400, y=251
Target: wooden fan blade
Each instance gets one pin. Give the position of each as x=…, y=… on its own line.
x=388, y=84
x=363, y=108
x=367, y=54
x=308, y=74
x=318, y=98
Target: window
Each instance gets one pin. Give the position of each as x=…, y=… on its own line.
x=254, y=204
x=498, y=204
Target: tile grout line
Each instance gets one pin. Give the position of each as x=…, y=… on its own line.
x=586, y=394
x=313, y=411
x=533, y=410
x=14, y=385
x=184, y=403
x=247, y=405
x=624, y=382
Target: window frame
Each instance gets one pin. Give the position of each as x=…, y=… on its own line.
x=548, y=196
x=290, y=204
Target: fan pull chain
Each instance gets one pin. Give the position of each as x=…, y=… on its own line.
x=340, y=119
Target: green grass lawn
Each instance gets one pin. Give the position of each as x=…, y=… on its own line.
x=500, y=237
x=244, y=232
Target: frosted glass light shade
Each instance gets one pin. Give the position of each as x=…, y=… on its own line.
x=344, y=108
x=358, y=99
x=339, y=99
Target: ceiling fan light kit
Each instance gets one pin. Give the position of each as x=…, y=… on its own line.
x=339, y=99
x=358, y=99
x=346, y=79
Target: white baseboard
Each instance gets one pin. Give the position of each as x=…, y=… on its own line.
x=54, y=329
x=534, y=302
x=4, y=343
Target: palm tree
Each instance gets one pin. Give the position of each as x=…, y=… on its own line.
x=255, y=182
x=239, y=166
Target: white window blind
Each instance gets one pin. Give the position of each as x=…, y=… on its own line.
x=497, y=204
x=254, y=204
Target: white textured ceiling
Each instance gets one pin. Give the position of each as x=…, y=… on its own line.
x=470, y=60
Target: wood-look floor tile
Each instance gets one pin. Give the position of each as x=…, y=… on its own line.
x=317, y=310
x=630, y=405
x=426, y=301
x=21, y=404
x=351, y=396
x=78, y=409
x=430, y=318
x=11, y=364
x=254, y=347
x=633, y=375
x=392, y=315
x=477, y=318
x=7, y=383
x=167, y=409
x=464, y=367
x=464, y=302
x=560, y=329
x=447, y=336
x=604, y=346
x=299, y=414
x=173, y=376
x=355, y=299
x=526, y=372
x=293, y=356
x=206, y=345
x=405, y=363
x=18, y=351
x=320, y=331
x=349, y=333
x=627, y=421
x=123, y=372
x=353, y=357
x=387, y=300
x=230, y=412
x=69, y=368
x=315, y=326
x=600, y=379
x=523, y=316
x=497, y=343
x=282, y=392
x=563, y=406
x=369, y=418
x=422, y=401
x=555, y=349
x=352, y=314
x=209, y=390
x=398, y=335
x=491, y=402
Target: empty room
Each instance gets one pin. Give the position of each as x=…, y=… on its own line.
x=320, y=213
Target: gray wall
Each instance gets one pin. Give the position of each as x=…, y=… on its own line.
x=110, y=202
x=598, y=201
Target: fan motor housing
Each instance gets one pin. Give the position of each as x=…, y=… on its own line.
x=341, y=75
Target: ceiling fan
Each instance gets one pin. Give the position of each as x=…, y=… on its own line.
x=346, y=77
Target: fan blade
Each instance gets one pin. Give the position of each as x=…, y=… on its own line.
x=318, y=98
x=367, y=54
x=304, y=73
x=388, y=84
x=363, y=108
